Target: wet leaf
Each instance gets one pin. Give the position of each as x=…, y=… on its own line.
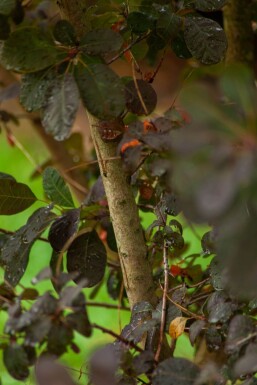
x=140, y=22
x=216, y=274
x=177, y=327
x=209, y=5
x=63, y=228
x=101, y=90
x=134, y=101
x=175, y=371
x=16, y=361
x=34, y=89
x=65, y=33
x=220, y=308
x=87, y=255
x=207, y=243
x=100, y=41
x=14, y=197
x=205, y=39
x=29, y=50
x=62, y=104
x=15, y=253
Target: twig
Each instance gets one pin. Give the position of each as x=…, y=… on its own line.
x=164, y=300
x=128, y=48
x=118, y=337
x=137, y=89
x=107, y=305
x=91, y=162
x=196, y=316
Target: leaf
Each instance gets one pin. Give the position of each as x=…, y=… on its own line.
x=100, y=41
x=101, y=90
x=177, y=327
x=29, y=50
x=213, y=339
x=216, y=274
x=34, y=89
x=87, y=255
x=79, y=321
x=205, y=39
x=7, y=6
x=142, y=91
x=3, y=175
x=56, y=188
x=10, y=92
x=15, y=252
x=60, y=110
x=219, y=308
x=143, y=362
x=140, y=22
x=63, y=228
x=59, y=337
x=195, y=329
x=209, y=5
x=37, y=331
x=65, y=33
x=16, y=361
x=179, y=46
x=207, y=242
x=175, y=371
x=14, y=197
x=240, y=329
x=50, y=372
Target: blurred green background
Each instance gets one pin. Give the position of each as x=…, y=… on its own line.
x=14, y=162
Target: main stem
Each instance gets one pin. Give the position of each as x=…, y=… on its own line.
x=136, y=269
x=238, y=28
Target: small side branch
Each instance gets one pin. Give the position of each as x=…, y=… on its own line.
x=164, y=300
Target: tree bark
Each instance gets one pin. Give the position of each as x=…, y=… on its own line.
x=136, y=269
x=239, y=32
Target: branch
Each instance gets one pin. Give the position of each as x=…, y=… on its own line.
x=118, y=337
x=238, y=28
x=136, y=269
x=164, y=300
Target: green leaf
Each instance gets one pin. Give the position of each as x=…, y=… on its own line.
x=209, y=5
x=205, y=39
x=100, y=41
x=87, y=256
x=140, y=22
x=16, y=361
x=34, y=87
x=61, y=107
x=175, y=371
x=15, y=252
x=14, y=197
x=65, y=33
x=7, y=6
x=29, y=50
x=56, y=188
x=101, y=90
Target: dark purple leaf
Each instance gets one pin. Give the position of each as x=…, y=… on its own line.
x=195, y=330
x=63, y=228
x=175, y=371
x=240, y=330
x=147, y=94
x=48, y=371
x=79, y=321
x=16, y=361
x=87, y=255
